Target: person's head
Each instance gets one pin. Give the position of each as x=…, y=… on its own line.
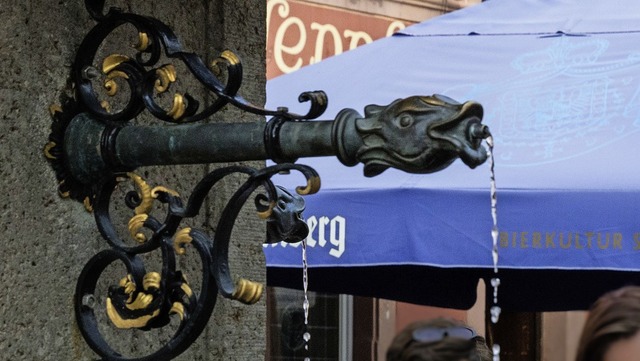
x=611, y=329
x=438, y=340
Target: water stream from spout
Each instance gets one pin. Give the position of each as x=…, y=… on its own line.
x=305, y=304
x=495, y=281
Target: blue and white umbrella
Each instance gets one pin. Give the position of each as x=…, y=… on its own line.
x=560, y=85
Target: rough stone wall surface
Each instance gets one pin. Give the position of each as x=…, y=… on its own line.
x=47, y=240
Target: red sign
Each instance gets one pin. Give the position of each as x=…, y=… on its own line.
x=300, y=34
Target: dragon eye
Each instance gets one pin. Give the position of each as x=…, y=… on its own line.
x=405, y=121
x=282, y=205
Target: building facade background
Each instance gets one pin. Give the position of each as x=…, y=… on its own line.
x=304, y=32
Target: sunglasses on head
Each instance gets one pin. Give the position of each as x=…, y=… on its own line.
x=433, y=334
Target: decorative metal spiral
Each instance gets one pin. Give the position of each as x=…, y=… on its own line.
x=146, y=298
x=147, y=78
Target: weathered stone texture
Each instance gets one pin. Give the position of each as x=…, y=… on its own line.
x=47, y=240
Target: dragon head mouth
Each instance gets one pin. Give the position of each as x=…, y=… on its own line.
x=285, y=222
x=464, y=132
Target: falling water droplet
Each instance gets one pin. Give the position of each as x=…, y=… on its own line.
x=495, y=314
x=494, y=249
x=496, y=352
x=495, y=281
x=305, y=303
x=494, y=205
x=305, y=307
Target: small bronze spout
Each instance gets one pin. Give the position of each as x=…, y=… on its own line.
x=285, y=222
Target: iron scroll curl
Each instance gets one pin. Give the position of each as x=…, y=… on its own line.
x=146, y=298
x=146, y=77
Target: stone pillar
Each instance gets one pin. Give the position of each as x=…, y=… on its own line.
x=46, y=239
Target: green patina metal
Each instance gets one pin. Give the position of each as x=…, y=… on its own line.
x=91, y=148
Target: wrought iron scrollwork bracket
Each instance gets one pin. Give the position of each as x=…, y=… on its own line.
x=146, y=300
x=94, y=145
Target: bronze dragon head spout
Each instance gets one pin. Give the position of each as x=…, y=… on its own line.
x=421, y=134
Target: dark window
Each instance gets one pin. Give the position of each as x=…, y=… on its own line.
x=285, y=322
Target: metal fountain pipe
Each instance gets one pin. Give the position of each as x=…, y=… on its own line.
x=91, y=147
x=420, y=134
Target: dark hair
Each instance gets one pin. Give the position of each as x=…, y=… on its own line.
x=614, y=316
x=405, y=348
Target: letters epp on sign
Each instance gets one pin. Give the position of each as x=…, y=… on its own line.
x=299, y=34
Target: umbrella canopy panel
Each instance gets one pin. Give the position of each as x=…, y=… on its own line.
x=560, y=85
